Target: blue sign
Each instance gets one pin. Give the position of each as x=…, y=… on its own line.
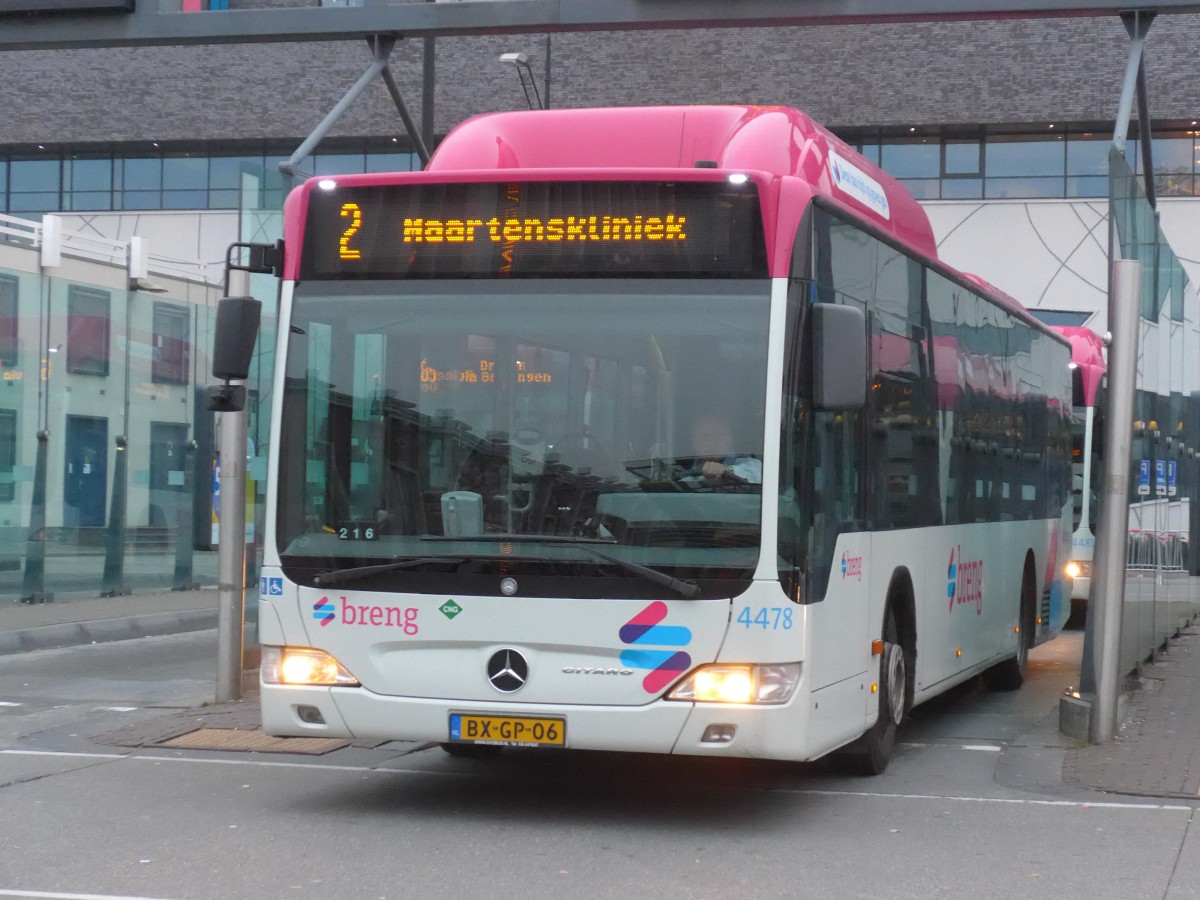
x=1143, y=478
x=270, y=587
x=1160, y=478
x=1172, y=486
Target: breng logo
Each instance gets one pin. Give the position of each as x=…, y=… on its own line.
x=323, y=611
x=851, y=566
x=964, y=581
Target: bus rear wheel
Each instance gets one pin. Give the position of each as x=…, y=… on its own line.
x=1010, y=674
x=870, y=754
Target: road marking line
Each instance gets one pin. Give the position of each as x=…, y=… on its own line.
x=9, y=703
x=57, y=896
x=815, y=792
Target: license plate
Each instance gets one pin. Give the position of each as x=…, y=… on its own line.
x=508, y=731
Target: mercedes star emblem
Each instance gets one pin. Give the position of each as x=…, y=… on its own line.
x=507, y=671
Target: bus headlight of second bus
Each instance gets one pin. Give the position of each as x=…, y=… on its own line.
x=1078, y=569
x=739, y=683
x=304, y=665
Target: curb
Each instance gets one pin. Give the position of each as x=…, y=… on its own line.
x=97, y=631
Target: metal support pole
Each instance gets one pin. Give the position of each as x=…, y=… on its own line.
x=33, y=588
x=382, y=47
x=185, y=534
x=428, y=82
x=231, y=543
x=1137, y=24
x=413, y=133
x=113, y=583
x=1108, y=571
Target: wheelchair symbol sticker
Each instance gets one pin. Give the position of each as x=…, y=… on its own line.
x=270, y=587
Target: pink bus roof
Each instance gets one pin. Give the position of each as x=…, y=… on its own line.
x=1087, y=355
x=790, y=158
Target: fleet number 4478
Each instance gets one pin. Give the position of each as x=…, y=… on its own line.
x=767, y=618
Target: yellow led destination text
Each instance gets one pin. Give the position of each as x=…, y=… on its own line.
x=564, y=228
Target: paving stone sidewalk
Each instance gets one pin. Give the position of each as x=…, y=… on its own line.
x=1156, y=752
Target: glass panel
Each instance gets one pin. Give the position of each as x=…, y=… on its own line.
x=89, y=175
x=185, y=172
x=171, y=344
x=922, y=188
x=225, y=172
x=185, y=199
x=29, y=175
x=9, y=321
x=337, y=163
x=392, y=162
x=222, y=199
x=962, y=188
x=87, y=331
x=963, y=158
x=912, y=160
x=140, y=200
x=40, y=203
x=1088, y=157
x=1087, y=186
x=81, y=200
x=530, y=409
x=142, y=174
x=999, y=188
x=1023, y=158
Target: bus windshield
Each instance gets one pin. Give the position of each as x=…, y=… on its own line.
x=576, y=435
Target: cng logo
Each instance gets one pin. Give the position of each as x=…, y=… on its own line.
x=450, y=609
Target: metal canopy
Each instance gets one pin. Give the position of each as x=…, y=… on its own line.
x=159, y=22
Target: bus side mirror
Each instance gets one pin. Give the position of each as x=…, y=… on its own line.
x=839, y=357
x=233, y=342
x=233, y=348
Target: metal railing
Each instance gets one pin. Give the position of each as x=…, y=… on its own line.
x=108, y=250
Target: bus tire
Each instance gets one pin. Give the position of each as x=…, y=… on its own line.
x=1010, y=674
x=870, y=754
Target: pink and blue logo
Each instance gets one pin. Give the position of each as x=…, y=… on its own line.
x=644, y=630
x=964, y=581
x=323, y=611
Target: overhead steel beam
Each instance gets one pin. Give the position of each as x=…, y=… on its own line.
x=160, y=23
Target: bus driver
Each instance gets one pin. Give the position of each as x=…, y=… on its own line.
x=716, y=461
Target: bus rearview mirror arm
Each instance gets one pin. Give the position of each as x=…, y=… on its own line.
x=839, y=357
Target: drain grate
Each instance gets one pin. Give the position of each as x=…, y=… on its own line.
x=251, y=741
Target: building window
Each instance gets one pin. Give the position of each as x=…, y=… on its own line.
x=8, y=322
x=171, y=335
x=8, y=453
x=87, y=331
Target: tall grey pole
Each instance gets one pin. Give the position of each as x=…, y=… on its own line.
x=231, y=546
x=1108, y=584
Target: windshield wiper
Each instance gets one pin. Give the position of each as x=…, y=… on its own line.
x=340, y=576
x=686, y=588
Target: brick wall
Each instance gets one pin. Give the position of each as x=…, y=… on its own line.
x=970, y=72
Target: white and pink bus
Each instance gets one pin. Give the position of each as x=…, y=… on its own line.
x=624, y=429
x=1088, y=370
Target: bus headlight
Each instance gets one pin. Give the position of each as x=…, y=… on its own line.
x=1078, y=568
x=303, y=665
x=739, y=683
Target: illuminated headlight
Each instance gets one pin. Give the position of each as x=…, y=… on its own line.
x=1078, y=569
x=721, y=683
x=303, y=665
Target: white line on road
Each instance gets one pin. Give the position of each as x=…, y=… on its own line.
x=10, y=703
x=57, y=896
x=392, y=770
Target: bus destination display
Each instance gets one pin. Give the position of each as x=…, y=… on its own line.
x=535, y=229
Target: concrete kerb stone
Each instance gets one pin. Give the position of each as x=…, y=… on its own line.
x=95, y=631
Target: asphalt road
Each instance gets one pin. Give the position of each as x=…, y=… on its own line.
x=972, y=805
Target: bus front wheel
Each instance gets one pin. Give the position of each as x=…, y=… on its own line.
x=869, y=755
